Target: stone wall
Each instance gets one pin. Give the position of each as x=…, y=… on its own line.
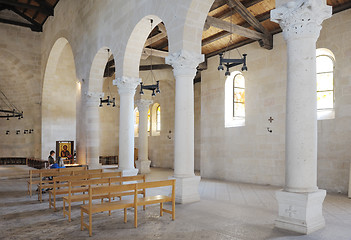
x=252, y=154
x=20, y=82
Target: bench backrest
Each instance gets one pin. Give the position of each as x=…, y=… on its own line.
x=105, y=174
x=107, y=180
x=73, y=169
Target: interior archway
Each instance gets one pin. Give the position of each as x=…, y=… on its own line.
x=59, y=97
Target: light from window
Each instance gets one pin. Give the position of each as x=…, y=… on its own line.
x=148, y=121
x=239, y=96
x=325, y=82
x=136, y=122
x=158, y=118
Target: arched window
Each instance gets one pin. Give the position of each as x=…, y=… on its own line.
x=234, y=100
x=325, y=83
x=136, y=122
x=239, y=96
x=148, y=121
x=158, y=118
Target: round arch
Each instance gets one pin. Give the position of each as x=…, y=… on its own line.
x=58, y=97
x=135, y=45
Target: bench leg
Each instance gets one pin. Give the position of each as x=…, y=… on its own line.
x=136, y=217
x=50, y=200
x=69, y=211
x=90, y=224
x=81, y=220
x=125, y=215
x=173, y=210
x=161, y=207
x=54, y=201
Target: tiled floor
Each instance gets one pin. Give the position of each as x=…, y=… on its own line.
x=226, y=211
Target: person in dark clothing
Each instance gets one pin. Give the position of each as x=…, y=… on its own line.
x=51, y=157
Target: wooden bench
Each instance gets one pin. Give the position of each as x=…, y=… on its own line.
x=34, y=175
x=61, y=184
x=92, y=208
x=84, y=197
x=49, y=183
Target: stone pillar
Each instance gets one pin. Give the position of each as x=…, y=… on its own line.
x=126, y=89
x=143, y=163
x=184, y=68
x=300, y=203
x=92, y=121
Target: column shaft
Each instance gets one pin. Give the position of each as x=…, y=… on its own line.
x=126, y=88
x=93, y=129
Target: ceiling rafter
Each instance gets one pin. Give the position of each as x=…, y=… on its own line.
x=37, y=27
x=267, y=41
x=16, y=4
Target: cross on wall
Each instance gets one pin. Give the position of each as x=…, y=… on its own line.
x=270, y=119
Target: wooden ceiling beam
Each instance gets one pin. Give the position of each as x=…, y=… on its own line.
x=236, y=29
x=12, y=3
x=267, y=41
x=21, y=24
x=155, y=38
x=156, y=53
x=36, y=25
x=223, y=34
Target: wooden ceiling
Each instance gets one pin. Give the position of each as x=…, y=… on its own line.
x=249, y=20
x=27, y=13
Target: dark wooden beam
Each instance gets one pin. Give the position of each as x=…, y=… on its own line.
x=239, y=44
x=154, y=67
x=223, y=34
x=16, y=4
x=267, y=41
x=31, y=26
x=220, y=3
x=44, y=4
x=342, y=7
x=37, y=26
x=236, y=29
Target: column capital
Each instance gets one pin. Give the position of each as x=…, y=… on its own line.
x=126, y=84
x=184, y=62
x=301, y=18
x=143, y=104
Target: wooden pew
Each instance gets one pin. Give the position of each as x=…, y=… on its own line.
x=91, y=208
x=49, y=183
x=34, y=175
x=61, y=184
x=84, y=197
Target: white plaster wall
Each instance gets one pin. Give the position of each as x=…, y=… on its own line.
x=59, y=103
x=252, y=154
x=20, y=81
x=197, y=126
x=109, y=121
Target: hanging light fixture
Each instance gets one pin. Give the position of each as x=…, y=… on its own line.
x=108, y=100
x=155, y=88
x=231, y=62
x=7, y=109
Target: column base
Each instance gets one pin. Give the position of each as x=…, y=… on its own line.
x=128, y=172
x=300, y=212
x=143, y=166
x=187, y=189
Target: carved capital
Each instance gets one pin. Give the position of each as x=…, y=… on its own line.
x=184, y=62
x=126, y=84
x=143, y=104
x=301, y=18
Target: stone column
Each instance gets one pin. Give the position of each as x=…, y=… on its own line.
x=92, y=121
x=126, y=89
x=143, y=163
x=184, y=68
x=300, y=203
